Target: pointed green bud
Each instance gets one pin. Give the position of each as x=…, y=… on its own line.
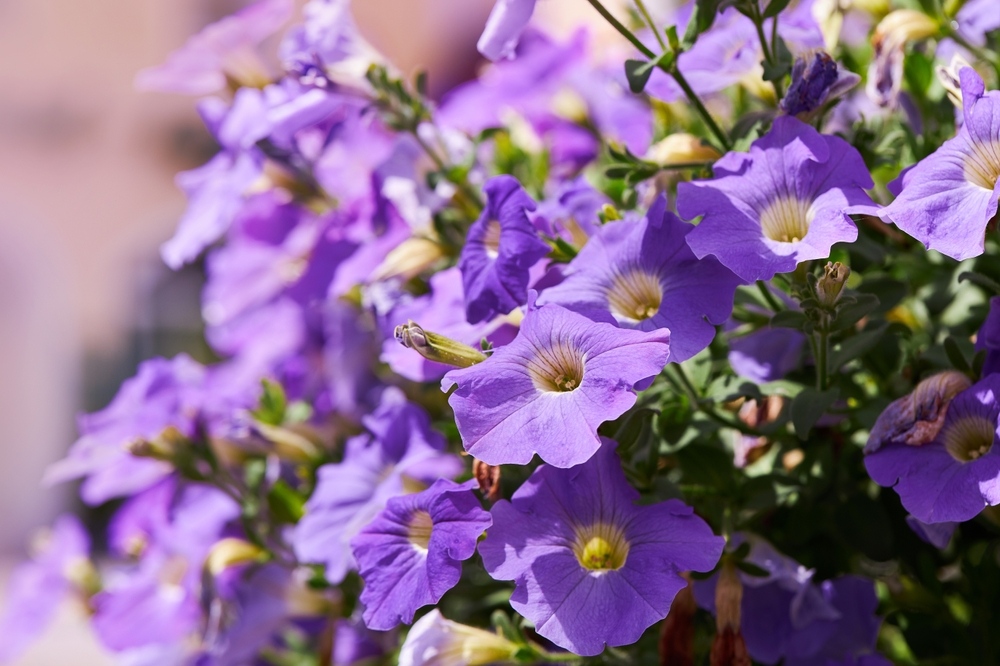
x=436, y=347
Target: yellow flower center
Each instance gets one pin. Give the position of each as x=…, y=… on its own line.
x=968, y=438
x=419, y=530
x=556, y=369
x=786, y=220
x=635, y=295
x=982, y=164
x=491, y=239
x=601, y=547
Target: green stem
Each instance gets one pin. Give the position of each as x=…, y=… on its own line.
x=768, y=49
x=977, y=51
x=822, y=359
x=720, y=136
x=649, y=21
x=622, y=30
x=772, y=302
x=672, y=71
x=445, y=169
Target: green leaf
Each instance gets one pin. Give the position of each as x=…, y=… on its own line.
x=853, y=310
x=790, y=319
x=706, y=465
x=638, y=72
x=273, y=403
x=774, y=8
x=286, y=505
x=981, y=281
x=856, y=346
x=807, y=408
x=889, y=292
x=702, y=17
x=955, y=355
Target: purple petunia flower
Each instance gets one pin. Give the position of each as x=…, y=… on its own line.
x=946, y=200
x=784, y=202
x=953, y=477
x=788, y=618
x=644, y=275
x=400, y=452
x=412, y=553
x=37, y=588
x=501, y=248
x=988, y=338
x=590, y=566
x=503, y=28
x=221, y=52
x=936, y=534
x=548, y=390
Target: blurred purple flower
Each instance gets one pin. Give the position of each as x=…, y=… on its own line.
x=412, y=553
x=784, y=202
x=988, y=338
x=222, y=52
x=947, y=199
x=788, y=618
x=163, y=394
x=399, y=453
x=936, y=534
x=644, y=275
x=501, y=247
x=38, y=587
x=592, y=568
x=548, y=390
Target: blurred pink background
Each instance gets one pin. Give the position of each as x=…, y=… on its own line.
x=87, y=196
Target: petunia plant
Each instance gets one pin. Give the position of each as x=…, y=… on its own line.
x=677, y=349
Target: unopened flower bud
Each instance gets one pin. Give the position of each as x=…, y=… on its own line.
x=816, y=79
x=948, y=76
x=830, y=286
x=916, y=419
x=728, y=648
x=231, y=552
x=165, y=446
x=902, y=26
x=681, y=149
x=436, y=347
x=289, y=443
x=436, y=641
x=410, y=258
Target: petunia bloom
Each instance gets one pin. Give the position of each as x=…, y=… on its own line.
x=503, y=28
x=946, y=200
x=591, y=567
x=437, y=641
x=500, y=249
x=399, y=452
x=548, y=390
x=412, y=553
x=644, y=275
x=786, y=201
x=955, y=476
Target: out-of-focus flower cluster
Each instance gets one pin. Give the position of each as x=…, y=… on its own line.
x=588, y=361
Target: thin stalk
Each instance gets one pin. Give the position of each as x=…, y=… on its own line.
x=822, y=359
x=444, y=167
x=672, y=71
x=622, y=30
x=772, y=302
x=766, y=47
x=652, y=24
x=720, y=136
